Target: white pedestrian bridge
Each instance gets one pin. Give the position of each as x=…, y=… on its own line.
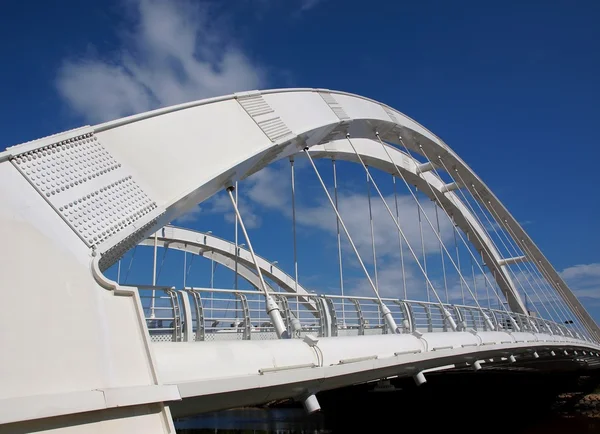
x=96, y=354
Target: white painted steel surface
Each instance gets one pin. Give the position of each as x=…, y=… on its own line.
x=78, y=200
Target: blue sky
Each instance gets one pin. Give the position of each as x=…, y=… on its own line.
x=511, y=86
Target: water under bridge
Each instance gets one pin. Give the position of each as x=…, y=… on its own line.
x=98, y=353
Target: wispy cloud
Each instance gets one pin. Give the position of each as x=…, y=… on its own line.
x=221, y=204
x=190, y=216
x=584, y=280
x=175, y=52
x=309, y=4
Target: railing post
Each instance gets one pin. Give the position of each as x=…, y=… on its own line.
x=200, y=329
x=533, y=325
x=381, y=320
x=247, y=332
x=472, y=315
x=285, y=308
x=516, y=324
x=462, y=325
x=176, y=314
x=187, y=316
x=444, y=312
x=333, y=316
x=322, y=320
x=524, y=323
x=407, y=322
x=325, y=317
x=429, y=319
x=494, y=320
x=359, y=315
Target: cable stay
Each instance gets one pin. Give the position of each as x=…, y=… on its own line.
x=293, y=183
x=400, y=239
x=467, y=203
x=422, y=246
x=446, y=313
x=484, y=315
x=564, y=306
x=465, y=243
x=475, y=214
x=462, y=289
x=130, y=263
x=437, y=221
x=185, y=268
x=339, y=241
x=189, y=268
x=271, y=305
x=162, y=262
x=372, y=229
x=385, y=311
x=473, y=271
x=490, y=223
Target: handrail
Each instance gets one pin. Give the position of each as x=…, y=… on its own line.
x=222, y=319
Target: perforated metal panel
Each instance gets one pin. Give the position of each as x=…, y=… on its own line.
x=86, y=186
x=335, y=106
x=255, y=105
x=263, y=114
x=113, y=254
x=274, y=128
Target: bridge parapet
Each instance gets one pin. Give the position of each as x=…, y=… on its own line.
x=208, y=314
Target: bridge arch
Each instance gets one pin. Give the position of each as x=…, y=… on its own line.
x=200, y=243
x=85, y=196
x=373, y=155
x=201, y=154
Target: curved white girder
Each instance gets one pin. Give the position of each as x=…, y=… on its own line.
x=372, y=153
x=270, y=125
x=78, y=200
x=200, y=243
x=245, y=272
x=218, y=258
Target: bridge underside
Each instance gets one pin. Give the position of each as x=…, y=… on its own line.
x=274, y=370
x=492, y=361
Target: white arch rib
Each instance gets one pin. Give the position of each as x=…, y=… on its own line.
x=206, y=244
x=374, y=156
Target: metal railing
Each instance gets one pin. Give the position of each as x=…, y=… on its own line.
x=204, y=314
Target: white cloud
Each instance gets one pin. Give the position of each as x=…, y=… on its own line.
x=175, y=52
x=270, y=190
x=354, y=211
x=583, y=279
x=269, y=187
x=190, y=216
x=221, y=204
